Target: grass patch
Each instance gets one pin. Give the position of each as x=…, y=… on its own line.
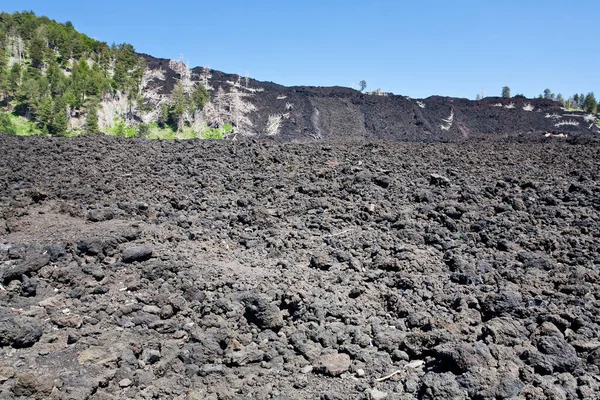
x=121, y=129
x=14, y=125
x=216, y=133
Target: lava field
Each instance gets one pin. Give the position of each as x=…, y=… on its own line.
x=137, y=269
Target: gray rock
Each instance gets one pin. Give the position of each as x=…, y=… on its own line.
x=137, y=253
x=461, y=357
x=35, y=259
x=19, y=331
x=375, y=394
x=125, y=382
x=150, y=356
x=32, y=386
x=441, y=386
x=321, y=261
x=553, y=354
x=260, y=311
x=333, y=364
x=247, y=355
x=438, y=180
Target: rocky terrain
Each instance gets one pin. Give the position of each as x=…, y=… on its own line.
x=309, y=113
x=135, y=269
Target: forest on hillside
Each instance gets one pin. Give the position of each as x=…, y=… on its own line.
x=55, y=80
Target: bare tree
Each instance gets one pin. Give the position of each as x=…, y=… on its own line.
x=204, y=78
x=216, y=110
x=18, y=47
x=151, y=95
x=239, y=110
x=273, y=124
x=185, y=75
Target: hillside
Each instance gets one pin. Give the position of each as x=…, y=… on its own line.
x=61, y=82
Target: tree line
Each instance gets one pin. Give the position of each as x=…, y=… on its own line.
x=578, y=101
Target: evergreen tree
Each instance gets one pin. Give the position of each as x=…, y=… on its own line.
x=28, y=98
x=179, y=105
x=200, y=97
x=581, y=100
x=3, y=72
x=548, y=94
x=576, y=99
x=56, y=79
x=589, y=103
x=14, y=79
x=60, y=121
x=91, y=121
x=37, y=49
x=45, y=113
x=125, y=61
x=506, y=92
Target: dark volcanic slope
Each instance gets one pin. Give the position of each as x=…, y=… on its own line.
x=342, y=114
x=201, y=270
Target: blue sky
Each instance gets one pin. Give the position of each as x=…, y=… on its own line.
x=413, y=48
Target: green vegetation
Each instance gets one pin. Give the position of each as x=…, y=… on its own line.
x=121, y=129
x=7, y=125
x=16, y=125
x=506, y=92
x=51, y=74
x=589, y=103
x=217, y=133
x=57, y=81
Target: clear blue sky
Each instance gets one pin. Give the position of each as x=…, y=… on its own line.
x=414, y=48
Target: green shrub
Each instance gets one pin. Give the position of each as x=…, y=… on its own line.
x=217, y=133
x=121, y=129
x=7, y=125
x=143, y=129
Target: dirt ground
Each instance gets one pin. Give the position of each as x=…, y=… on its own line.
x=135, y=269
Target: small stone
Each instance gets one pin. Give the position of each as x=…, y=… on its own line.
x=360, y=372
x=438, y=180
x=151, y=309
x=321, y=261
x=125, y=382
x=6, y=373
x=137, y=253
x=150, y=356
x=333, y=364
x=72, y=338
x=375, y=394
x=307, y=369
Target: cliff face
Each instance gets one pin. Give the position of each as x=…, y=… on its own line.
x=335, y=113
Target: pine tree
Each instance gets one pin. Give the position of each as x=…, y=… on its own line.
x=59, y=117
x=179, y=105
x=506, y=92
x=91, y=121
x=14, y=79
x=45, y=113
x=200, y=97
x=589, y=103
x=37, y=49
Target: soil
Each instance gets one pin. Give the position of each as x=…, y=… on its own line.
x=134, y=269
